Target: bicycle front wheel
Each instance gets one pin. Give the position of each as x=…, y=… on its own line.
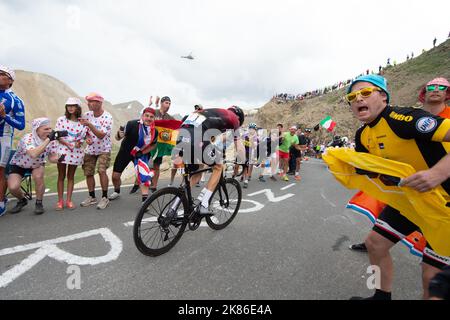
x=225, y=204
x=160, y=222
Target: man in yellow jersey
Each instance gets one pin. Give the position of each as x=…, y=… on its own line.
x=433, y=96
x=407, y=135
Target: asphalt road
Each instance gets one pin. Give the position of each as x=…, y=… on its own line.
x=292, y=245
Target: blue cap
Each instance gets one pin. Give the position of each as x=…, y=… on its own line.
x=374, y=79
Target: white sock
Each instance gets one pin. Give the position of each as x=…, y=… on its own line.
x=207, y=196
x=297, y=174
x=202, y=194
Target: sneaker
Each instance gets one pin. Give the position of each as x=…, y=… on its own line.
x=3, y=207
x=134, y=189
x=291, y=173
x=273, y=178
x=285, y=178
x=298, y=178
x=19, y=206
x=103, y=204
x=114, y=196
x=59, y=206
x=70, y=205
x=361, y=247
x=245, y=185
x=170, y=185
x=261, y=179
x=89, y=202
x=39, y=209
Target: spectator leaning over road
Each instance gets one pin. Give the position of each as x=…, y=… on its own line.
x=12, y=116
x=132, y=133
x=160, y=114
x=289, y=139
x=99, y=124
x=419, y=142
x=433, y=96
x=29, y=158
x=69, y=150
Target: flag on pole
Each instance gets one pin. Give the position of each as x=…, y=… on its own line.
x=328, y=124
x=167, y=137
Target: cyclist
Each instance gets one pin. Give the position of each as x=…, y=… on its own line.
x=12, y=116
x=408, y=135
x=194, y=145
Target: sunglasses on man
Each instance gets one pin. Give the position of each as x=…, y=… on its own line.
x=433, y=87
x=365, y=93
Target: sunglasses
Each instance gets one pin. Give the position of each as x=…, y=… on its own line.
x=434, y=86
x=365, y=93
x=385, y=179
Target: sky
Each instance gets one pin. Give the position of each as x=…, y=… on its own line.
x=245, y=51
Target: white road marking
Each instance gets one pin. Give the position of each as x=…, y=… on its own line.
x=270, y=195
x=288, y=187
x=325, y=198
x=49, y=248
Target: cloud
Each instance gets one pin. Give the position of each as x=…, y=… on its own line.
x=245, y=50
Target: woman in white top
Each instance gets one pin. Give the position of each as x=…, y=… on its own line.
x=69, y=150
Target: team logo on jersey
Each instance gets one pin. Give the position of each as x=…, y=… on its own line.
x=426, y=124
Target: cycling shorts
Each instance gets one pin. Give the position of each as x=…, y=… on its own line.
x=395, y=227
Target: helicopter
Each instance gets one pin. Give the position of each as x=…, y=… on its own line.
x=189, y=57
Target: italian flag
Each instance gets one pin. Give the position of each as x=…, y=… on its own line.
x=328, y=124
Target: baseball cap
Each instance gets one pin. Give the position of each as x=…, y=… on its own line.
x=94, y=97
x=8, y=71
x=376, y=80
x=73, y=101
x=164, y=99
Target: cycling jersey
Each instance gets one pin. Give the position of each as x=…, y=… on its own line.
x=15, y=113
x=201, y=150
x=407, y=135
x=219, y=119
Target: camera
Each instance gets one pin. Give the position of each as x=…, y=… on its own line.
x=55, y=135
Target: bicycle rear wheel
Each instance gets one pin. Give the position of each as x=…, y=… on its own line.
x=225, y=205
x=156, y=230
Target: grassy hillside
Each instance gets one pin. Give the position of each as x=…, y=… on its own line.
x=405, y=81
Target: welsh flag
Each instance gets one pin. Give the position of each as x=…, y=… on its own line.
x=328, y=124
x=167, y=137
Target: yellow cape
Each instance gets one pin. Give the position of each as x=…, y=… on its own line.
x=427, y=210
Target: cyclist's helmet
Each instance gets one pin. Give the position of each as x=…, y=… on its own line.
x=252, y=126
x=238, y=111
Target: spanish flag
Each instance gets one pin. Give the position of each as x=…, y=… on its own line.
x=167, y=137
